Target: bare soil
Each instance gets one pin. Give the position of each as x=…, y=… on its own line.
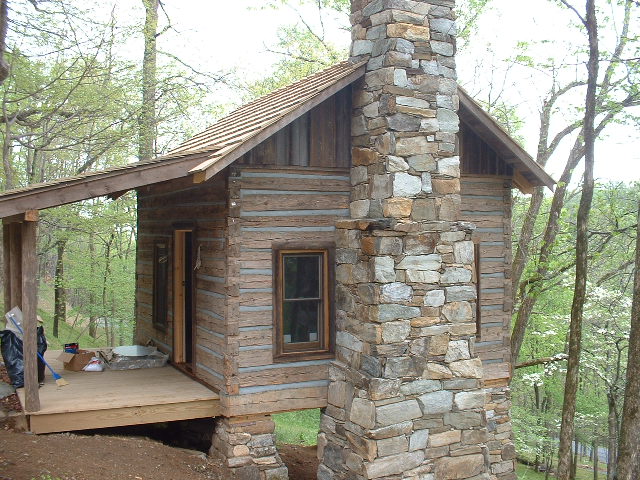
x=302, y=461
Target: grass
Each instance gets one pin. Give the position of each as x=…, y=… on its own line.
x=298, y=428
x=527, y=473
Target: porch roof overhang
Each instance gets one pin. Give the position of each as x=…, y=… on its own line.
x=218, y=146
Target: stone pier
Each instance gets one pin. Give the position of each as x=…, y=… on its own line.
x=247, y=445
x=405, y=399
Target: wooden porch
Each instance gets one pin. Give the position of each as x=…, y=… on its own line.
x=116, y=398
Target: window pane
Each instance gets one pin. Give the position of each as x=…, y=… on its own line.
x=300, y=321
x=302, y=276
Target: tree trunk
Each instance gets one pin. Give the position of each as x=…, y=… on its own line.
x=147, y=120
x=594, y=452
x=4, y=23
x=582, y=251
x=93, y=329
x=60, y=296
x=629, y=444
x=612, y=423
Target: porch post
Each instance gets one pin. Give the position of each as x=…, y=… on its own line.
x=6, y=265
x=15, y=262
x=29, y=312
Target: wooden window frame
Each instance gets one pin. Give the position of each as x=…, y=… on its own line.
x=160, y=307
x=311, y=350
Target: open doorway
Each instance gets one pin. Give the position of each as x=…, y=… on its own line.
x=183, y=321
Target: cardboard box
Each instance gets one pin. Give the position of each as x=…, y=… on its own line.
x=76, y=361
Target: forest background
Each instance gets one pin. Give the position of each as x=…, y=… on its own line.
x=88, y=87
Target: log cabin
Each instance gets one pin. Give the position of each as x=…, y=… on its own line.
x=341, y=243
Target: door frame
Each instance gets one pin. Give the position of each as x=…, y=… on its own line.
x=179, y=307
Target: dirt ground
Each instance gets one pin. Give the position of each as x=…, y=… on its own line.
x=77, y=457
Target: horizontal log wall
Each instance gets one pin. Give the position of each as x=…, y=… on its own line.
x=486, y=202
x=161, y=208
x=272, y=205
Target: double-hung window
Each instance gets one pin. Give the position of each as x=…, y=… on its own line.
x=303, y=302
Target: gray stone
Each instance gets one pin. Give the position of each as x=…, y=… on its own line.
x=434, y=298
x=463, y=420
x=381, y=186
x=458, y=312
x=406, y=185
x=418, y=440
x=391, y=311
x=393, y=464
x=6, y=390
x=396, y=164
x=400, y=78
x=392, y=430
x=384, y=269
x=429, y=125
x=412, y=102
x=390, y=246
x=463, y=252
x=247, y=472
x=470, y=400
x=424, y=208
x=403, y=122
x=442, y=48
x=361, y=47
x=359, y=208
x=371, y=110
x=449, y=166
x=405, y=46
x=436, y=402
x=419, y=387
x=280, y=473
x=423, y=276
x=456, y=275
x=426, y=183
x=363, y=413
x=397, y=412
x=457, y=350
x=392, y=446
x=347, y=340
x=380, y=388
x=359, y=175
x=448, y=120
x=422, y=163
x=358, y=125
x=420, y=262
x=460, y=293
x=394, y=332
x=396, y=292
x=443, y=25
x=397, y=367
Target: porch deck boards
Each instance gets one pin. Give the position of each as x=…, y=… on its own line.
x=115, y=398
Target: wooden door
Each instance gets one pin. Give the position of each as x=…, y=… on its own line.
x=183, y=294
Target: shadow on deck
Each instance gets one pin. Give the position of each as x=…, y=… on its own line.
x=116, y=398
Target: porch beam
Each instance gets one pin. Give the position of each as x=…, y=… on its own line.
x=29, y=315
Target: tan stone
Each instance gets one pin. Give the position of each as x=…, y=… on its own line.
x=363, y=156
x=240, y=451
x=368, y=245
x=435, y=371
x=444, y=438
x=397, y=207
x=467, y=368
x=444, y=187
x=424, y=321
x=408, y=31
x=455, y=468
x=438, y=345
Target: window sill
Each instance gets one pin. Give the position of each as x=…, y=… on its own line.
x=302, y=356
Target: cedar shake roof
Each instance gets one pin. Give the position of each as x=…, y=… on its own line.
x=213, y=149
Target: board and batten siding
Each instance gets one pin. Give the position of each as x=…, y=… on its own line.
x=486, y=202
x=161, y=208
x=269, y=206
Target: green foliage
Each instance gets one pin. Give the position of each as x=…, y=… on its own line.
x=298, y=428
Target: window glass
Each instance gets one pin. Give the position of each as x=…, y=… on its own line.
x=302, y=276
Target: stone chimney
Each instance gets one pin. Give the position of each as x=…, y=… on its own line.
x=405, y=399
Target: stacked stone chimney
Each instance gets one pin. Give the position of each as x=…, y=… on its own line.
x=405, y=399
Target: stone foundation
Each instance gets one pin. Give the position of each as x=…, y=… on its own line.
x=247, y=445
